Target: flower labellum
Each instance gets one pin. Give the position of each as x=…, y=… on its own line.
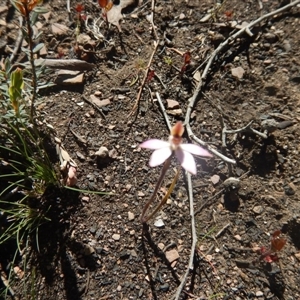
x=183, y=152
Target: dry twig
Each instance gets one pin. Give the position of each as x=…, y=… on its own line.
x=194, y=238
x=246, y=128
x=65, y=64
x=156, y=43
x=162, y=107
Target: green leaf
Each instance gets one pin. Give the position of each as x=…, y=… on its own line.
x=25, y=50
x=40, y=10
x=7, y=66
x=38, y=47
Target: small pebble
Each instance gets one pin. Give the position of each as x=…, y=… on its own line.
x=165, y=287
x=215, y=179
x=130, y=216
x=258, y=209
x=102, y=152
x=259, y=294
x=159, y=223
x=181, y=16
x=172, y=255
x=116, y=237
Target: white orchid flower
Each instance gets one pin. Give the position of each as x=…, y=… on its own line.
x=183, y=152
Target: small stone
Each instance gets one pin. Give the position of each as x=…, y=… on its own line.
x=267, y=61
x=172, y=255
x=161, y=246
x=271, y=37
x=18, y=272
x=215, y=179
x=93, y=229
x=290, y=189
x=59, y=29
x=172, y=104
x=43, y=51
x=68, y=77
x=85, y=198
x=131, y=216
x=181, y=16
x=259, y=294
x=98, y=102
x=102, y=152
x=238, y=237
x=113, y=153
x=88, y=250
x=258, y=209
x=98, y=94
x=128, y=187
x=232, y=183
x=175, y=112
x=286, y=45
x=141, y=194
x=132, y=232
x=116, y=237
x=119, y=288
x=238, y=72
x=159, y=223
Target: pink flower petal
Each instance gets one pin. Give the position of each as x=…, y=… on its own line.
x=195, y=149
x=154, y=144
x=186, y=160
x=159, y=156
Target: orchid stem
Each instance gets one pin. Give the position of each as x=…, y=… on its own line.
x=164, y=200
x=158, y=184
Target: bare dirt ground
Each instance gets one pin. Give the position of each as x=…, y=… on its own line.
x=94, y=248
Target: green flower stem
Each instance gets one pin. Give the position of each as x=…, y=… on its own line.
x=164, y=200
x=158, y=184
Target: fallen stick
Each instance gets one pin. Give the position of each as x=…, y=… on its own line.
x=164, y=112
x=156, y=43
x=65, y=64
x=194, y=238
